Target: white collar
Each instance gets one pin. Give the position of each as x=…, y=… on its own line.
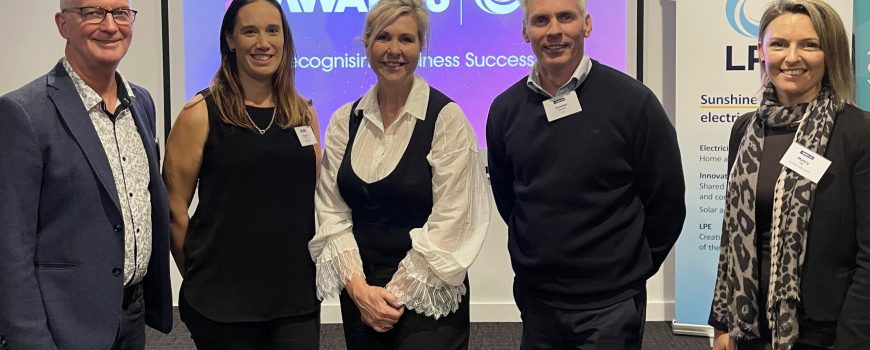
x=580, y=73
x=415, y=106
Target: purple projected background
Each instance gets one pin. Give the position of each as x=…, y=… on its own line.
x=468, y=55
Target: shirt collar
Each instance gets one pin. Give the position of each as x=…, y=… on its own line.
x=90, y=97
x=580, y=73
x=415, y=106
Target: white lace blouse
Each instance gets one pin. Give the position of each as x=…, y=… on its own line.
x=430, y=278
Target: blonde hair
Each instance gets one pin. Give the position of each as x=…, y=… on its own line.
x=832, y=38
x=386, y=11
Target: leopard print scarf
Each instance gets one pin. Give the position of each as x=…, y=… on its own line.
x=735, y=301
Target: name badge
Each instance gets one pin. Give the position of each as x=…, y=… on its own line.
x=805, y=162
x=562, y=106
x=306, y=135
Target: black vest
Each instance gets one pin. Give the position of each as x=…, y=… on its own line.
x=385, y=211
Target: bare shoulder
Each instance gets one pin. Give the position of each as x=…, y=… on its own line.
x=197, y=100
x=193, y=118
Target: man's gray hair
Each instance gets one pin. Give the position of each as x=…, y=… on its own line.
x=525, y=5
x=65, y=4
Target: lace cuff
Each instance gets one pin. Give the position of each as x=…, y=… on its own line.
x=334, y=268
x=417, y=287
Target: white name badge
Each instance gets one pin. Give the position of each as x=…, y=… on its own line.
x=306, y=135
x=562, y=106
x=805, y=162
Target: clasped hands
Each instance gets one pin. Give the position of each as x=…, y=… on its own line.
x=378, y=308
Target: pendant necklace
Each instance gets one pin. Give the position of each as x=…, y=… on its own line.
x=262, y=131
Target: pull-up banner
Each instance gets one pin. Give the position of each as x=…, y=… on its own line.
x=862, y=52
x=718, y=79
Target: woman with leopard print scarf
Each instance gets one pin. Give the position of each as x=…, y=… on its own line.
x=794, y=268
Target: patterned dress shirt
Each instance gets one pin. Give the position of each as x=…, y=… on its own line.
x=130, y=169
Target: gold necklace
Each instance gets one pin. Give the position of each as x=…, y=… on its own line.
x=262, y=131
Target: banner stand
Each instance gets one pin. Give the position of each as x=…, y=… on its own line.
x=862, y=52
x=696, y=330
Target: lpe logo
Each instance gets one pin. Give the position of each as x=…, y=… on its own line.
x=741, y=15
x=736, y=11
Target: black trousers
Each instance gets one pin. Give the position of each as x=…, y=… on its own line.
x=288, y=333
x=764, y=344
x=131, y=329
x=615, y=327
x=412, y=332
x=812, y=335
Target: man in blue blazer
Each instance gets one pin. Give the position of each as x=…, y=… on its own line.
x=83, y=214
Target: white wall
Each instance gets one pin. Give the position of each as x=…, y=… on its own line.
x=32, y=46
x=659, y=75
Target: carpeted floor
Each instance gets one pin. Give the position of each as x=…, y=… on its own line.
x=484, y=336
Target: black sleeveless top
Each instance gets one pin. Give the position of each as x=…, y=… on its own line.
x=246, y=251
x=385, y=211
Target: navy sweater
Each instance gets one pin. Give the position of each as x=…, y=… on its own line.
x=593, y=201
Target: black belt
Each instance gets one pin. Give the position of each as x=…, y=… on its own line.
x=131, y=294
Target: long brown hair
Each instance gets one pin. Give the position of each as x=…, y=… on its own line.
x=227, y=90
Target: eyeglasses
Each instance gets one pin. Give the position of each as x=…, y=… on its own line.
x=96, y=14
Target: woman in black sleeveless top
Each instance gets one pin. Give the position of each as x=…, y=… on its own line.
x=403, y=203
x=249, y=142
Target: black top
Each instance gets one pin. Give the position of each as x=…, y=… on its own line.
x=776, y=142
x=835, y=276
x=247, y=244
x=385, y=211
x=593, y=201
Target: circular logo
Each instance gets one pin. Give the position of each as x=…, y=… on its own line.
x=498, y=7
x=735, y=10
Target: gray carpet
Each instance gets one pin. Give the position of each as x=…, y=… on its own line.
x=484, y=336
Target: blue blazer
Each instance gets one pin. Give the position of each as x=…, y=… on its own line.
x=61, y=233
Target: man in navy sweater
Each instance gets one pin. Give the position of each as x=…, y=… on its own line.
x=586, y=171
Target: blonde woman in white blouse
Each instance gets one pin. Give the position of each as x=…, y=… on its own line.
x=402, y=201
